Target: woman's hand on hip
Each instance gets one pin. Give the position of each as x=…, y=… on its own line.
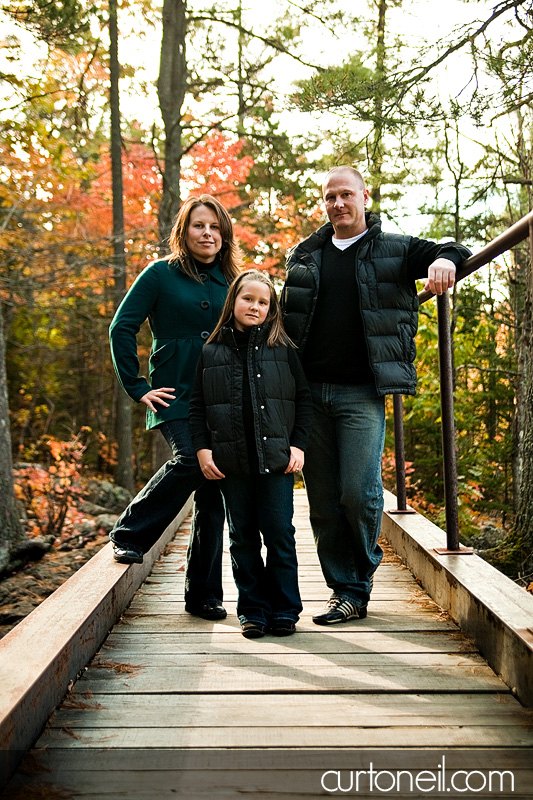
x=296, y=460
x=208, y=466
x=158, y=396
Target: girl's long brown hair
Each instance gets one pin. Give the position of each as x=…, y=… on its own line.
x=230, y=255
x=274, y=320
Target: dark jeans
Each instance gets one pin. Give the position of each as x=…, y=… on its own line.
x=159, y=502
x=342, y=475
x=255, y=505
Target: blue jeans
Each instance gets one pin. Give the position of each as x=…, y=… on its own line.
x=342, y=473
x=159, y=502
x=255, y=505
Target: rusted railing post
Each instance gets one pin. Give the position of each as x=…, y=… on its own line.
x=399, y=452
x=399, y=458
x=448, y=422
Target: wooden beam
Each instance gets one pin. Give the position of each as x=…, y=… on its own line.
x=486, y=604
x=43, y=654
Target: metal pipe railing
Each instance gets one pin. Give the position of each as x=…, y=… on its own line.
x=505, y=241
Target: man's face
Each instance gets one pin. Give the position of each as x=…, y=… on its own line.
x=345, y=201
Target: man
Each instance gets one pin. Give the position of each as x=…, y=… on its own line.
x=350, y=305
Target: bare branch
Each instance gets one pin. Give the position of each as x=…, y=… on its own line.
x=275, y=43
x=315, y=16
x=416, y=74
x=206, y=130
x=523, y=102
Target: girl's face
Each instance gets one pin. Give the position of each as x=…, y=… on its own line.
x=251, y=305
x=203, y=237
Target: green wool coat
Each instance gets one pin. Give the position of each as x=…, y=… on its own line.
x=182, y=312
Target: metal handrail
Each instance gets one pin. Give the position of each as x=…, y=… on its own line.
x=505, y=241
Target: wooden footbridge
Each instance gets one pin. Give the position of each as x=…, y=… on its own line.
x=175, y=706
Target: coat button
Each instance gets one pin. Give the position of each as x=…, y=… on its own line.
x=264, y=438
x=258, y=374
x=205, y=304
x=267, y=470
x=203, y=277
x=263, y=408
x=205, y=334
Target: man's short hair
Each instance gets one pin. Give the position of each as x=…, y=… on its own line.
x=346, y=168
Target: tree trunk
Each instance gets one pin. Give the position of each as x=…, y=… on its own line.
x=521, y=300
x=124, y=471
x=524, y=519
x=376, y=168
x=171, y=89
x=10, y=527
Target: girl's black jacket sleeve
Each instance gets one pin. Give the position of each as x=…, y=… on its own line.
x=304, y=404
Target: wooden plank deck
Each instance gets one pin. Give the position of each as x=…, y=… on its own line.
x=174, y=705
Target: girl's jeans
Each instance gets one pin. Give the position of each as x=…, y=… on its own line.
x=159, y=502
x=255, y=505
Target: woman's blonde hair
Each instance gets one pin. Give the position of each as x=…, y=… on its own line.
x=274, y=319
x=230, y=255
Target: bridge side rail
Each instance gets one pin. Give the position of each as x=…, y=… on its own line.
x=488, y=606
x=45, y=652
x=517, y=233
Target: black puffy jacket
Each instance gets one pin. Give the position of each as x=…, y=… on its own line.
x=280, y=400
x=386, y=266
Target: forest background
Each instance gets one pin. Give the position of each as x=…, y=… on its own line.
x=111, y=113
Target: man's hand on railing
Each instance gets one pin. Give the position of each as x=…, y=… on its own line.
x=441, y=276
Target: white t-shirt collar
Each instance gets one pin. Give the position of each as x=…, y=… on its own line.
x=343, y=244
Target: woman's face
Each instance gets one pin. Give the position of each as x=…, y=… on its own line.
x=203, y=237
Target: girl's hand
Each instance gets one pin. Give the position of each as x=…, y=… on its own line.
x=296, y=461
x=208, y=466
x=156, y=396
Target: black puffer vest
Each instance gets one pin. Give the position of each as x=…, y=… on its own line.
x=388, y=302
x=273, y=388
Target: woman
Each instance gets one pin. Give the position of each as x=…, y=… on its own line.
x=182, y=297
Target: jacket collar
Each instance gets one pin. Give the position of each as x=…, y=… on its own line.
x=258, y=335
x=318, y=239
x=213, y=273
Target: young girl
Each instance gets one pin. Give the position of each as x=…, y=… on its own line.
x=250, y=420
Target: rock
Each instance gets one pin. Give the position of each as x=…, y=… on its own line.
x=106, y=522
x=109, y=496
x=16, y=611
x=490, y=536
x=87, y=528
x=91, y=508
x=31, y=549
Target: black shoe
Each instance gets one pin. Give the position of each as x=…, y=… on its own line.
x=282, y=627
x=127, y=554
x=208, y=609
x=253, y=630
x=339, y=609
